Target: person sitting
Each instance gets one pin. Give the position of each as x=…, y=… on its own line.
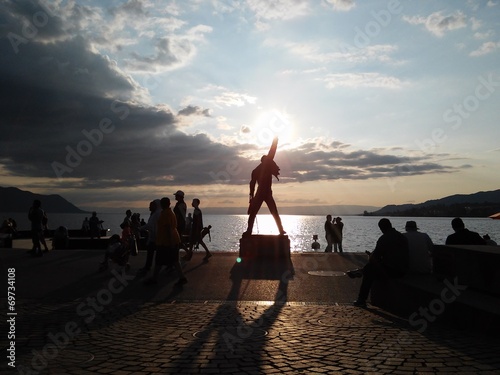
x=489, y=241
x=390, y=259
x=420, y=248
x=61, y=238
x=117, y=252
x=462, y=235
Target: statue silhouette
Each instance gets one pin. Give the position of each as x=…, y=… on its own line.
x=263, y=175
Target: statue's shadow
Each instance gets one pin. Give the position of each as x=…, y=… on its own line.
x=240, y=329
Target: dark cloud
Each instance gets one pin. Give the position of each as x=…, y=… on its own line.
x=194, y=110
x=69, y=113
x=308, y=163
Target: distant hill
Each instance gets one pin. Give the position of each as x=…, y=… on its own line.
x=15, y=200
x=481, y=204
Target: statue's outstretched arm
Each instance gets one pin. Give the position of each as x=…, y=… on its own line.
x=274, y=147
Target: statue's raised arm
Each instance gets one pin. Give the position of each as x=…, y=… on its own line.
x=274, y=147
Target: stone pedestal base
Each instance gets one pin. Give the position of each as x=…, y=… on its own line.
x=259, y=246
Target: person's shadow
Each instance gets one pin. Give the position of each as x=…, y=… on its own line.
x=229, y=332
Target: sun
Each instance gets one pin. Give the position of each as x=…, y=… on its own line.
x=270, y=124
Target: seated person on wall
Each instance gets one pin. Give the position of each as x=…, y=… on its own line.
x=489, y=241
x=389, y=260
x=462, y=235
x=61, y=238
x=420, y=249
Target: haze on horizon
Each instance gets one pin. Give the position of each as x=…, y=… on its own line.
x=112, y=105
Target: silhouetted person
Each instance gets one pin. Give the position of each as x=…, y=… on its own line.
x=196, y=231
x=150, y=227
x=338, y=228
x=329, y=234
x=263, y=175
x=86, y=225
x=128, y=217
x=95, y=226
x=167, y=244
x=61, y=238
x=180, y=210
x=420, y=246
x=388, y=260
x=38, y=219
x=489, y=241
x=462, y=235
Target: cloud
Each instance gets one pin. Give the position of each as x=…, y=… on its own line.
x=314, y=161
x=361, y=80
x=191, y=110
x=245, y=129
x=485, y=48
x=222, y=97
x=439, y=24
x=72, y=117
x=278, y=9
x=345, y=53
x=342, y=5
x=170, y=52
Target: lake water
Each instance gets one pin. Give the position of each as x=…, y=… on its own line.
x=360, y=233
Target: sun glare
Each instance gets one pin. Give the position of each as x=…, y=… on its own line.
x=265, y=224
x=270, y=124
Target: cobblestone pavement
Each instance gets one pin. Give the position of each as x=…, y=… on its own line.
x=238, y=338
x=72, y=320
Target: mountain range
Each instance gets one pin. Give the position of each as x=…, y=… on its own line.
x=481, y=204
x=16, y=200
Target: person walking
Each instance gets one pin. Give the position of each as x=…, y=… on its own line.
x=197, y=230
x=167, y=244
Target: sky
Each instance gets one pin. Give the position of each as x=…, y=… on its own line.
x=112, y=104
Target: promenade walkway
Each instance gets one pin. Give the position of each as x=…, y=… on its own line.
x=230, y=317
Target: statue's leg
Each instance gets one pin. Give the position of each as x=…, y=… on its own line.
x=252, y=212
x=274, y=211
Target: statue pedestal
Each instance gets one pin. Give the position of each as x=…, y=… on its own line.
x=265, y=246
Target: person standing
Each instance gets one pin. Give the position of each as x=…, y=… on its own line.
x=38, y=219
x=420, y=248
x=86, y=226
x=150, y=226
x=128, y=217
x=167, y=244
x=95, y=226
x=180, y=211
x=338, y=228
x=389, y=259
x=263, y=175
x=328, y=234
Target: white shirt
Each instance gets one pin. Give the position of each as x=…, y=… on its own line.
x=420, y=249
